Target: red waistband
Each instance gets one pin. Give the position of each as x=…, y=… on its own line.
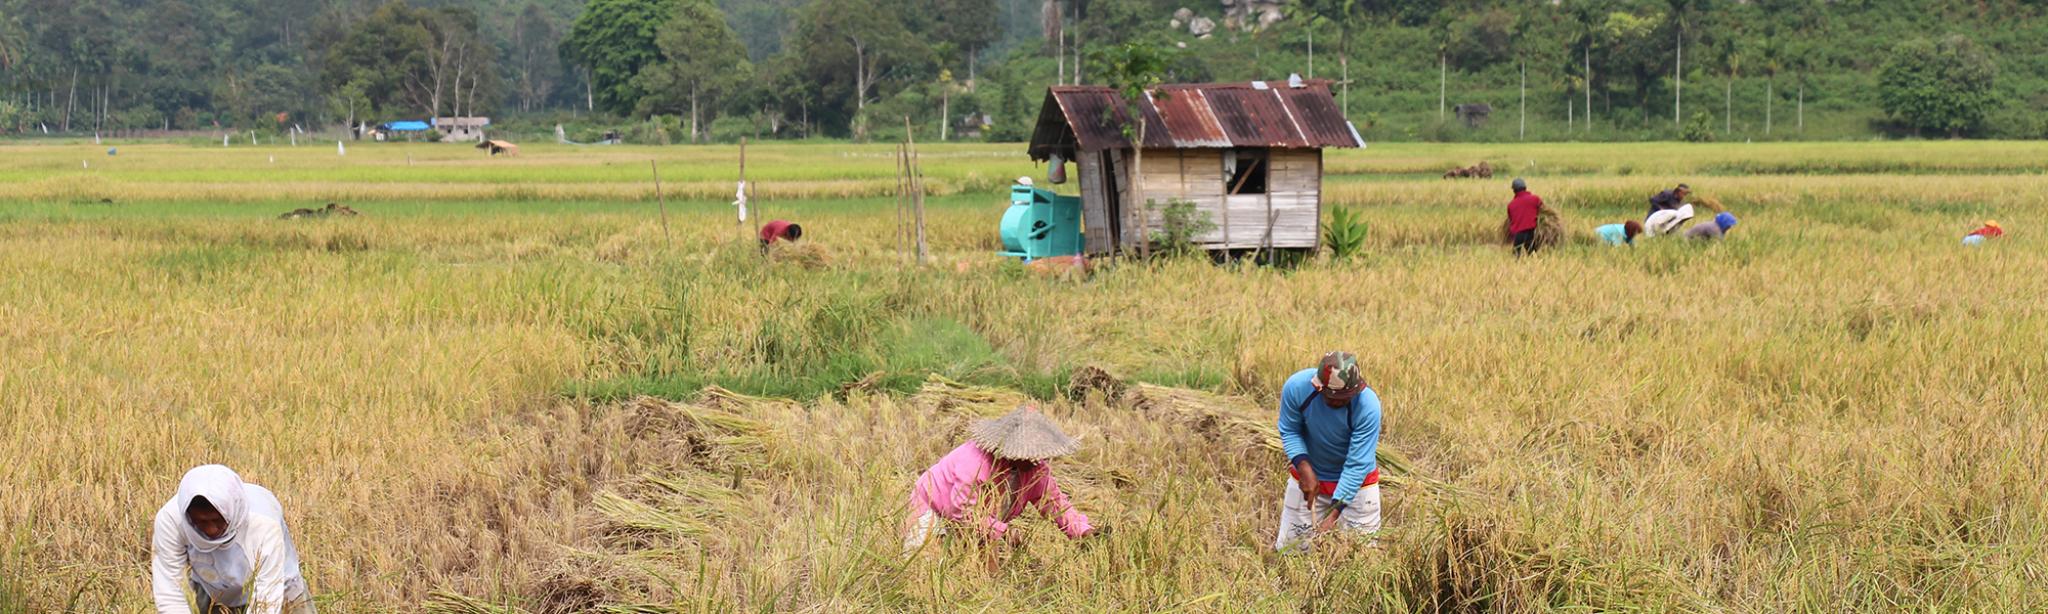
x=1329, y=487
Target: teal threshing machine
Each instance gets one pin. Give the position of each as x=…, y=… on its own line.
x=1041, y=224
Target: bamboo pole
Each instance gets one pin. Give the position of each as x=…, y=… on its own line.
x=747, y=189
x=916, y=190
x=661, y=201
x=902, y=192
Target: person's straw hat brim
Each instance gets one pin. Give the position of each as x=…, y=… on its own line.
x=1024, y=434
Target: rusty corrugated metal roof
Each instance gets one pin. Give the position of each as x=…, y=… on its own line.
x=1185, y=116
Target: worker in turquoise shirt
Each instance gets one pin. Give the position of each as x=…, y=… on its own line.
x=1624, y=233
x=1330, y=429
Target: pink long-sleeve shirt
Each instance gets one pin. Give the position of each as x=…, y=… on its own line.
x=950, y=489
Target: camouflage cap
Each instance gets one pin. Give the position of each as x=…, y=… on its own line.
x=1338, y=373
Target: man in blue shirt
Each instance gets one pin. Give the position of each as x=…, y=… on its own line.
x=1330, y=429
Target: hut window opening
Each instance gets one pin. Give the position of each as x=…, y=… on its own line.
x=1247, y=169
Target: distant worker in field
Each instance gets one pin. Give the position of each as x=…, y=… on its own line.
x=1712, y=229
x=1668, y=211
x=1990, y=230
x=1522, y=212
x=780, y=230
x=983, y=485
x=1669, y=200
x=1330, y=430
x=1624, y=233
x=224, y=541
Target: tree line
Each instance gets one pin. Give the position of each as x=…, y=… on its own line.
x=698, y=70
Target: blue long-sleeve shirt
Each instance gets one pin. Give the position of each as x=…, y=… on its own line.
x=1342, y=442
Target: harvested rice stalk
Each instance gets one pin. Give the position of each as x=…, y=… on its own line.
x=942, y=395
x=721, y=398
x=1250, y=430
x=625, y=516
x=1217, y=417
x=448, y=602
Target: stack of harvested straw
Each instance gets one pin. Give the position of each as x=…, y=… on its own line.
x=1549, y=229
x=804, y=254
x=943, y=395
x=1243, y=425
x=1095, y=379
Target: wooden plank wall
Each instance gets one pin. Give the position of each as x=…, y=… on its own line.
x=1294, y=185
x=1095, y=211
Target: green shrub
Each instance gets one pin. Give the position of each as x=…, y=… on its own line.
x=1344, y=233
x=1700, y=129
x=1180, y=222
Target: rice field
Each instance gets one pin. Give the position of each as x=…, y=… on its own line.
x=509, y=387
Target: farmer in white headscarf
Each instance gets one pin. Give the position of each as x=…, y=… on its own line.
x=220, y=545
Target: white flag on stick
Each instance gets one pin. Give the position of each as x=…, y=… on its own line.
x=740, y=200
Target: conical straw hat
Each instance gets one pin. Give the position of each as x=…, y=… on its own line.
x=1024, y=435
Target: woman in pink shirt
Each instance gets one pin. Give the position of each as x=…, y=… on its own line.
x=992, y=479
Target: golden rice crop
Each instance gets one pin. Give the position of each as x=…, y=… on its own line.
x=1836, y=409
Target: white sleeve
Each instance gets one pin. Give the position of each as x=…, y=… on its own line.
x=167, y=567
x=275, y=564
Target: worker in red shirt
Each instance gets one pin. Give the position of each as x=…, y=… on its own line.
x=1522, y=217
x=780, y=230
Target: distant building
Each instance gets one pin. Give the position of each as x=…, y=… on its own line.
x=973, y=125
x=1249, y=156
x=461, y=129
x=496, y=147
x=388, y=130
x=1474, y=115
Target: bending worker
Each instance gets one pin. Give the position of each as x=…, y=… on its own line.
x=1006, y=459
x=1990, y=230
x=224, y=541
x=780, y=230
x=1624, y=233
x=1330, y=429
x=1712, y=229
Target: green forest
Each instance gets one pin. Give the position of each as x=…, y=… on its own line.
x=678, y=71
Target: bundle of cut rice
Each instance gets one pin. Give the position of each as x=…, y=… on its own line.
x=1246, y=428
x=943, y=395
x=1549, y=229
x=804, y=254
x=1097, y=379
x=1710, y=203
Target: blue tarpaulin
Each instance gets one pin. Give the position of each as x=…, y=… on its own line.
x=406, y=126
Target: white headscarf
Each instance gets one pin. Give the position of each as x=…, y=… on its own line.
x=1667, y=221
x=223, y=489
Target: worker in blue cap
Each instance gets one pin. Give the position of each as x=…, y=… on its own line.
x=1712, y=229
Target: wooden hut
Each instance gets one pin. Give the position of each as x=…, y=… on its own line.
x=1250, y=155
x=498, y=147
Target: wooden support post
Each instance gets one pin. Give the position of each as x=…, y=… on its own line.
x=1224, y=197
x=917, y=191
x=661, y=201
x=902, y=192
x=748, y=190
